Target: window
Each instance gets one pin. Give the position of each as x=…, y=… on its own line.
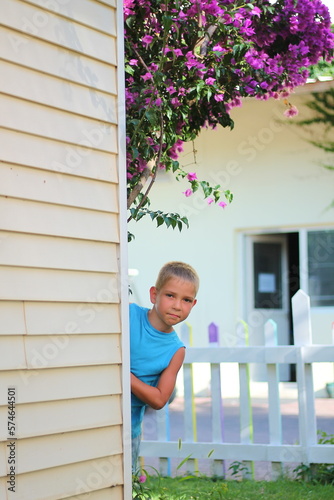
x=321, y=267
x=267, y=274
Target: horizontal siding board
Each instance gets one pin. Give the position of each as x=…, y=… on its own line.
x=56, y=253
x=41, y=153
x=50, y=187
x=70, y=350
x=112, y=3
x=74, y=286
x=115, y=493
x=44, y=318
x=55, y=417
x=12, y=352
x=43, y=218
x=41, y=352
x=3, y=459
x=53, y=384
x=12, y=317
x=55, y=124
x=93, y=14
x=48, y=26
x=26, y=51
x=3, y=488
x=69, y=480
x=51, y=91
x=44, y=452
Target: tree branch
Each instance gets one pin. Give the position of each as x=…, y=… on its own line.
x=150, y=166
x=139, y=186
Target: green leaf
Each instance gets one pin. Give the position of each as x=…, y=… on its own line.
x=173, y=222
x=160, y=220
x=185, y=221
x=169, y=113
x=129, y=69
x=140, y=214
x=176, y=166
x=167, y=220
x=167, y=22
x=130, y=236
x=135, y=152
x=151, y=115
x=183, y=462
x=207, y=189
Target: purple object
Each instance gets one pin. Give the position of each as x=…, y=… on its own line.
x=213, y=333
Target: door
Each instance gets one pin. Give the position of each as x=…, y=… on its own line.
x=267, y=292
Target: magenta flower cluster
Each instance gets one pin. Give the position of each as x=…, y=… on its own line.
x=189, y=62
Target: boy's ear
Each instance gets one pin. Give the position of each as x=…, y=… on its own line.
x=153, y=294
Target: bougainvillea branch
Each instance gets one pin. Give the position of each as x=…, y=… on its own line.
x=189, y=62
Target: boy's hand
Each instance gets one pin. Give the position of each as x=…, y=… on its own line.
x=157, y=397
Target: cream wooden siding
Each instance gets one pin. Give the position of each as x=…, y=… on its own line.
x=62, y=308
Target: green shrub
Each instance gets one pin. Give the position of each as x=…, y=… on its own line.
x=317, y=473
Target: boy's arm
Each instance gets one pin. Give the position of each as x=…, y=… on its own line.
x=157, y=397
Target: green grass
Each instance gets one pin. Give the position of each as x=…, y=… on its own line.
x=202, y=488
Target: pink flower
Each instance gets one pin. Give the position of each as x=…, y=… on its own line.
x=192, y=176
x=175, y=102
x=291, y=111
x=133, y=62
x=255, y=12
x=187, y=193
x=154, y=67
x=222, y=204
x=171, y=89
x=209, y=200
x=210, y=81
x=142, y=479
x=147, y=39
x=147, y=76
x=219, y=97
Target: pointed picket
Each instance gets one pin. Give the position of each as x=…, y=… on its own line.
x=275, y=419
x=301, y=317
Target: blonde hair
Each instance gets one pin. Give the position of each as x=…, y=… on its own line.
x=179, y=270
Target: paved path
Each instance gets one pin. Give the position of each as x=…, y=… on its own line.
x=289, y=409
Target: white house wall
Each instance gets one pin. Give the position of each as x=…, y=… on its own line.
x=278, y=186
x=62, y=302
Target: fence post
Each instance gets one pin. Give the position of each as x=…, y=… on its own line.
x=163, y=428
x=218, y=466
x=275, y=418
x=246, y=415
x=190, y=424
x=303, y=336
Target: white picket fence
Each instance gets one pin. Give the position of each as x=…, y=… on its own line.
x=303, y=353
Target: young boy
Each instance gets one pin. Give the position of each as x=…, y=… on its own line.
x=156, y=352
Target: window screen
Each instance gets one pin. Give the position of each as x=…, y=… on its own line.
x=321, y=267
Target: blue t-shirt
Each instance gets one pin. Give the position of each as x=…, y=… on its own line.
x=150, y=353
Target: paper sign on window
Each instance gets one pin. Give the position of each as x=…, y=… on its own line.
x=267, y=283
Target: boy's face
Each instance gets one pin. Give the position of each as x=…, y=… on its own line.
x=172, y=303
